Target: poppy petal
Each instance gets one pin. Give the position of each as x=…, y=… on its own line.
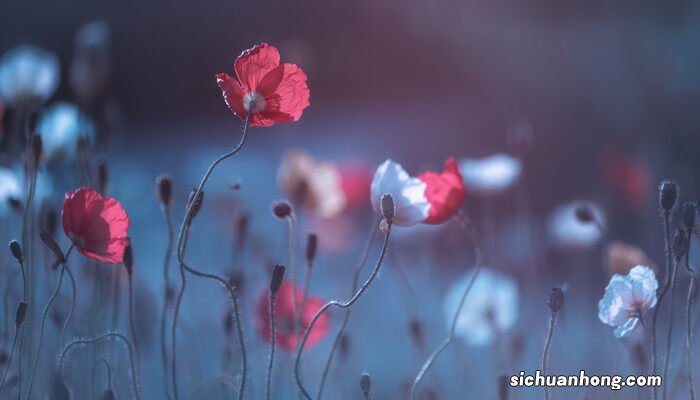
x=253, y=64
x=233, y=94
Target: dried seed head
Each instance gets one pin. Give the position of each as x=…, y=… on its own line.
x=556, y=299
x=680, y=244
x=668, y=195
x=164, y=185
x=16, y=250
x=20, y=314
x=277, y=277
x=584, y=213
x=365, y=384
x=311, y=246
x=688, y=217
x=196, y=203
x=503, y=387
x=281, y=209
x=102, y=176
x=128, y=259
x=388, y=207
x=51, y=244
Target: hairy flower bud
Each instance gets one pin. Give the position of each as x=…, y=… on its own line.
x=277, y=277
x=387, y=207
x=164, y=184
x=51, y=244
x=680, y=244
x=20, y=314
x=556, y=299
x=688, y=217
x=281, y=209
x=196, y=203
x=365, y=384
x=668, y=195
x=311, y=246
x=16, y=250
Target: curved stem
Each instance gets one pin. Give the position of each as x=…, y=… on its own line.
x=688, y=323
x=466, y=224
x=347, y=304
x=272, y=346
x=545, y=353
x=164, y=314
x=116, y=335
x=674, y=274
x=72, y=304
x=667, y=281
x=132, y=328
x=346, y=317
x=176, y=315
x=41, y=329
x=293, y=266
x=5, y=301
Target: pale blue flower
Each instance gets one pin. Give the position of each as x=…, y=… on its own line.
x=489, y=176
x=28, y=74
x=60, y=128
x=408, y=192
x=627, y=298
x=490, y=307
x=568, y=232
x=10, y=188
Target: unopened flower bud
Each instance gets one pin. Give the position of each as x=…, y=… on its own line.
x=196, y=203
x=668, y=195
x=20, y=314
x=387, y=207
x=51, y=244
x=16, y=250
x=102, y=176
x=680, y=244
x=277, y=277
x=556, y=299
x=281, y=209
x=365, y=384
x=688, y=217
x=128, y=260
x=164, y=185
x=311, y=246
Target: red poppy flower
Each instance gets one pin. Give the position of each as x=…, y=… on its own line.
x=285, y=336
x=96, y=225
x=273, y=92
x=444, y=191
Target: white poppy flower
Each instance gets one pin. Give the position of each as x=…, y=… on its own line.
x=491, y=306
x=411, y=205
x=60, y=128
x=27, y=74
x=567, y=231
x=10, y=187
x=490, y=175
x=627, y=298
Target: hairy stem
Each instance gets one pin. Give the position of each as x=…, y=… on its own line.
x=164, y=314
x=547, y=345
x=347, y=304
x=272, y=346
x=688, y=323
x=94, y=373
x=667, y=281
x=674, y=274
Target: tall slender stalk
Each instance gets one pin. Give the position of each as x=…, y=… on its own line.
x=109, y=374
x=272, y=345
x=664, y=289
x=182, y=236
x=164, y=314
x=346, y=316
x=667, y=358
x=547, y=345
x=688, y=317
x=20, y=316
x=72, y=304
x=5, y=301
x=347, y=304
x=132, y=328
x=119, y=336
x=466, y=224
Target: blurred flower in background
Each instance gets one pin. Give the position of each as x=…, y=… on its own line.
x=91, y=67
x=61, y=127
x=622, y=257
x=10, y=188
x=627, y=176
x=28, y=74
x=490, y=308
x=627, y=298
x=314, y=185
x=568, y=232
x=490, y=176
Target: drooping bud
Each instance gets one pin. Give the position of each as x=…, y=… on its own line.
x=20, y=314
x=281, y=209
x=16, y=250
x=196, y=203
x=668, y=195
x=688, y=217
x=680, y=244
x=365, y=384
x=277, y=277
x=128, y=260
x=387, y=207
x=164, y=184
x=503, y=387
x=311, y=246
x=102, y=176
x=51, y=244
x=556, y=299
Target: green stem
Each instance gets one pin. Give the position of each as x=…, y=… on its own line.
x=347, y=304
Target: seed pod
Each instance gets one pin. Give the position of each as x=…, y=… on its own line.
x=556, y=299
x=196, y=204
x=365, y=384
x=668, y=195
x=281, y=209
x=277, y=277
x=164, y=185
x=16, y=250
x=20, y=314
x=311, y=246
x=387, y=207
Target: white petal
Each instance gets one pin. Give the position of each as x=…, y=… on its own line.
x=490, y=175
x=28, y=73
x=626, y=328
x=568, y=232
x=408, y=193
x=60, y=128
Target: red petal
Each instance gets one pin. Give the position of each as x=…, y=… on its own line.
x=252, y=65
x=290, y=96
x=233, y=94
x=445, y=192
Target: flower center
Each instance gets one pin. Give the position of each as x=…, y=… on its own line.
x=254, y=102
